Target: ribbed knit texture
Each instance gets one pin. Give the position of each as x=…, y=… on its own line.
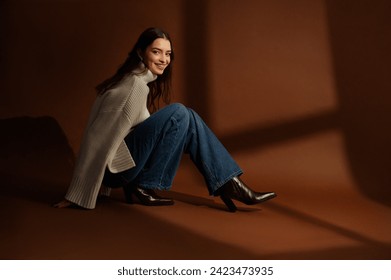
x=112, y=117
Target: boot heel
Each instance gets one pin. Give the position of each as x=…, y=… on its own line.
x=128, y=195
x=229, y=203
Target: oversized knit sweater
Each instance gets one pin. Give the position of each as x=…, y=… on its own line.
x=112, y=117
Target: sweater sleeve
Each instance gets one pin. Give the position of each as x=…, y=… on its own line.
x=115, y=113
x=92, y=160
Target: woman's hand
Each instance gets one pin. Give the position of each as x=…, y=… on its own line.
x=63, y=204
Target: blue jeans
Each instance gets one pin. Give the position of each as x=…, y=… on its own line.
x=157, y=145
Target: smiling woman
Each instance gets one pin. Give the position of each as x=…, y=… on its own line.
x=124, y=146
x=157, y=56
x=152, y=44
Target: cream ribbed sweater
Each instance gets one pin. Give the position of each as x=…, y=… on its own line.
x=112, y=117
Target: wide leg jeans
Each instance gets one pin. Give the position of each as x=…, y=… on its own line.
x=157, y=145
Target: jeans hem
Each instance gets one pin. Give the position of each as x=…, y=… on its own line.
x=222, y=183
x=155, y=187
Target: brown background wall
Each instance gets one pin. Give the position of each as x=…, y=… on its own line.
x=265, y=75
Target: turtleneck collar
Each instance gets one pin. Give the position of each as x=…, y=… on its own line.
x=145, y=74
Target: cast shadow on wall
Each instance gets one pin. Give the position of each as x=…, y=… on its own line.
x=360, y=43
x=360, y=36
x=36, y=159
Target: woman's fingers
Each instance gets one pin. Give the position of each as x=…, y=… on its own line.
x=63, y=204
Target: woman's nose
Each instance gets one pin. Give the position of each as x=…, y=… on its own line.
x=163, y=59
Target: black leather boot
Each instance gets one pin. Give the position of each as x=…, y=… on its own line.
x=237, y=189
x=146, y=196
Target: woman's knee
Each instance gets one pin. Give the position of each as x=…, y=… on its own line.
x=177, y=106
x=180, y=110
x=181, y=115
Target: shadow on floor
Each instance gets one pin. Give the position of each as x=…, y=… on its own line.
x=36, y=174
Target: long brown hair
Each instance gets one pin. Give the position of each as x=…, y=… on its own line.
x=161, y=87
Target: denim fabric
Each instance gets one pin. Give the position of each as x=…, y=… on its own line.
x=157, y=145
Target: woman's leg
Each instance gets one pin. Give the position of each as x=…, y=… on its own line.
x=157, y=145
x=185, y=131
x=209, y=155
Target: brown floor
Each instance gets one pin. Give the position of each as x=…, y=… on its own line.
x=318, y=214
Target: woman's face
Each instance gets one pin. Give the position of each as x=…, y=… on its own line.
x=158, y=56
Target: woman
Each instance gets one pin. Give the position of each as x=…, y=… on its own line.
x=124, y=146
